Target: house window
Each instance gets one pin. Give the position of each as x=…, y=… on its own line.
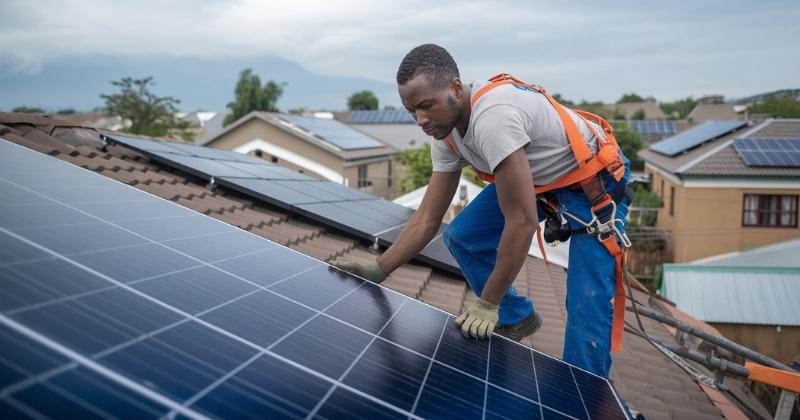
x=259, y=153
x=362, y=176
x=769, y=210
x=661, y=192
x=274, y=159
x=389, y=181
x=671, y=201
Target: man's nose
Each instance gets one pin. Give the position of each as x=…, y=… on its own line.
x=421, y=117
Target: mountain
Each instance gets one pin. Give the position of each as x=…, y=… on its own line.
x=199, y=83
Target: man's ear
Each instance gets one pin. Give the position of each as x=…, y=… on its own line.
x=458, y=87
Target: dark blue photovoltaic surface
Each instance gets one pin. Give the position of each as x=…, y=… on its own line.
x=134, y=317
x=769, y=152
x=696, y=136
x=332, y=131
x=653, y=127
x=381, y=117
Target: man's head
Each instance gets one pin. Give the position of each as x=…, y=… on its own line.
x=430, y=89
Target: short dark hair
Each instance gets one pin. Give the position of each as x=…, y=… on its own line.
x=429, y=59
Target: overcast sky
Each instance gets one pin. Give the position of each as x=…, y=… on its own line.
x=584, y=50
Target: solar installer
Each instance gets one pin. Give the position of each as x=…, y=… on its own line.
x=541, y=160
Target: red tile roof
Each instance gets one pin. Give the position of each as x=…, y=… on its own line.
x=646, y=379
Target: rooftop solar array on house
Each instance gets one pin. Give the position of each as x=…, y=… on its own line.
x=654, y=127
x=381, y=117
x=771, y=152
x=333, y=132
x=119, y=304
x=343, y=208
x=695, y=136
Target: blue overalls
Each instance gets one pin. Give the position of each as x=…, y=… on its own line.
x=474, y=237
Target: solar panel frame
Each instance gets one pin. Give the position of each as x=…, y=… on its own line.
x=187, y=362
x=695, y=136
x=333, y=132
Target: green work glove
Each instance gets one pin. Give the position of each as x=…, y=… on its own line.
x=479, y=320
x=369, y=271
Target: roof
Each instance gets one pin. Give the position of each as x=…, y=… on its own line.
x=399, y=136
x=735, y=295
x=381, y=117
x=784, y=254
x=273, y=119
x=719, y=158
x=651, y=110
x=703, y=112
x=649, y=381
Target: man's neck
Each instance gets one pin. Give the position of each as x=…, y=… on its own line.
x=463, y=123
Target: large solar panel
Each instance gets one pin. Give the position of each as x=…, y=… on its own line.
x=653, y=127
x=770, y=152
x=696, y=136
x=104, y=312
x=332, y=131
x=381, y=117
x=346, y=209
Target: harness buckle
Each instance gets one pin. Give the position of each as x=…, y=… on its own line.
x=604, y=230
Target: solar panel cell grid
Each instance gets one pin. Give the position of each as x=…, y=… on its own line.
x=220, y=334
x=696, y=136
x=769, y=152
x=333, y=132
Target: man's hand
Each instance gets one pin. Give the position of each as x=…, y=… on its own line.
x=369, y=271
x=479, y=320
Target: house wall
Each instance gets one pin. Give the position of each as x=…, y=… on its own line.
x=378, y=175
x=708, y=221
x=258, y=129
x=782, y=345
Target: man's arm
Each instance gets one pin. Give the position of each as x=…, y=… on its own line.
x=424, y=223
x=518, y=203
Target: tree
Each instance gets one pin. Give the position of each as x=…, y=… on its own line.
x=149, y=114
x=251, y=96
x=630, y=141
x=563, y=101
x=364, y=100
x=630, y=97
x=638, y=115
x=28, y=109
x=778, y=107
x=680, y=108
x=419, y=166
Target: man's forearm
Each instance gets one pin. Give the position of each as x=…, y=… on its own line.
x=414, y=237
x=514, y=245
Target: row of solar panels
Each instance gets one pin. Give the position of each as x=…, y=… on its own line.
x=363, y=215
x=119, y=304
x=648, y=127
x=696, y=136
x=769, y=152
x=332, y=132
x=381, y=117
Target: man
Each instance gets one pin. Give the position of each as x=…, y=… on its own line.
x=514, y=133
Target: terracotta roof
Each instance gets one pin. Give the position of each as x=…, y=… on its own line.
x=646, y=379
x=720, y=158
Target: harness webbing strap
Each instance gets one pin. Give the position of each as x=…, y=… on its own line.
x=618, y=320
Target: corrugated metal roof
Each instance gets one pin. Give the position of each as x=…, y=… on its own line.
x=737, y=295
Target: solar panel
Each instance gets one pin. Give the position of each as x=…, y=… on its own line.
x=653, y=127
x=381, y=117
x=696, y=136
x=769, y=152
x=346, y=209
x=227, y=324
x=435, y=253
x=333, y=132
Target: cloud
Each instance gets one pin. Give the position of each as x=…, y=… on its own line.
x=562, y=43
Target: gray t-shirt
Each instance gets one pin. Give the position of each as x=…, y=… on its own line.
x=505, y=119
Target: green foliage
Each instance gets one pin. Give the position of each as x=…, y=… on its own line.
x=778, y=107
x=389, y=108
x=419, y=166
x=678, y=109
x=251, y=96
x=363, y=100
x=644, y=199
x=563, y=101
x=638, y=115
x=630, y=97
x=630, y=141
x=28, y=109
x=149, y=114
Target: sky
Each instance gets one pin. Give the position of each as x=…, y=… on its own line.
x=583, y=50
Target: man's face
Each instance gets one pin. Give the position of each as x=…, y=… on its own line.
x=434, y=108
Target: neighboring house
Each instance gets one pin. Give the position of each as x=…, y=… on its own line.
x=324, y=148
x=206, y=124
x=628, y=110
x=396, y=128
x=713, y=201
x=751, y=297
x=713, y=111
x=649, y=381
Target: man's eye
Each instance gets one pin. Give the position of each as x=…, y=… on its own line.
x=424, y=106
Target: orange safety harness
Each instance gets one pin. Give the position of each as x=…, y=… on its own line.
x=586, y=176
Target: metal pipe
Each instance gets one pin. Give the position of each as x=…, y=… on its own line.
x=711, y=362
x=713, y=339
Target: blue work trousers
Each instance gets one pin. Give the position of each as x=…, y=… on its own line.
x=474, y=237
